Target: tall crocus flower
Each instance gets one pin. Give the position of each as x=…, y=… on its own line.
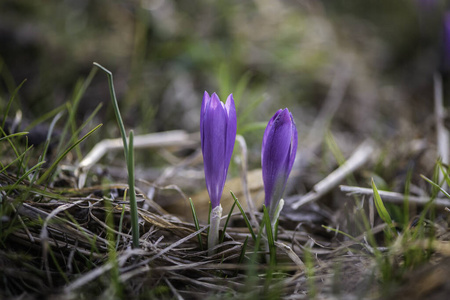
x=218, y=134
x=279, y=147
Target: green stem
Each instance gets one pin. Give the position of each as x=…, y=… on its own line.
x=116, y=107
x=133, y=203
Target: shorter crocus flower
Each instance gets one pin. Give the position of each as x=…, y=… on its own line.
x=279, y=147
x=217, y=133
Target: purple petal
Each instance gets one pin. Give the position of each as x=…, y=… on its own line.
x=446, y=58
x=277, y=143
x=218, y=134
x=205, y=103
x=231, y=129
x=293, y=149
x=266, y=133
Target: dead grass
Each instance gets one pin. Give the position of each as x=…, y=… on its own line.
x=55, y=243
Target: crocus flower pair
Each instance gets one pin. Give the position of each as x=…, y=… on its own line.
x=218, y=134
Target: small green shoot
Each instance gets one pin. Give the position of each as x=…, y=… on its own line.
x=222, y=237
x=16, y=152
x=343, y=233
x=252, y=126
x=309, y=263
x=435, y=185
x=11, y=99
x=45, y=116
x=79, y=90
x=130, y=161
x=197, y=226
x=133, y=203
x=47, y=141
x=122, y=214
x=115, y=106
x=382, y=211
x=242, y=254
x=246, y=220
x=271, y=241
x=25, y=175
x=17, y=134
x=16, y=159
x=58, y=160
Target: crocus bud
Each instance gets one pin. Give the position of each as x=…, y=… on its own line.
x=218, y=134
x=279, y=147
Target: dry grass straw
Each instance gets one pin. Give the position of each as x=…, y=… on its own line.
x=60, y=246
x=56, y=243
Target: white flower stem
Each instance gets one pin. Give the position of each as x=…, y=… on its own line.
x=214, y=223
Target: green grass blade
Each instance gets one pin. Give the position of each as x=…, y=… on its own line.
x=258, y=242
x=242, y=254
x=252, y=126
x=89, y=119
x=49, y=134
x=18, y=158
x=253, y=104
x=240, y=87
x=11, y=99
x=58, y=160
x=197, y=226
x=341, y=232
x=247, y=222
x=25, y=175
x=72, y=107
x=271, y=241
x=222, y=237
x=311, y=284
x=437, y=186
x=133, y=203
x=381, y=209
x=17, y=134
x=10, y=143
x=45, y=117
x=406, y=199
x=122, y=214
x=32, y=189
x=115, y=106
x=444, y=172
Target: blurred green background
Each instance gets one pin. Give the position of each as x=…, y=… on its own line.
x=270, y=54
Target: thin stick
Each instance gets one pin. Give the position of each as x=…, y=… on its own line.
x=441, y=131
x=160, y=139
x=393, y=197
x=251, y=206
x=357, y=160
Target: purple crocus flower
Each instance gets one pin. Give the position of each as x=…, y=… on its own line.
x=218, y=134
x=446, y=46
x=279, y=147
